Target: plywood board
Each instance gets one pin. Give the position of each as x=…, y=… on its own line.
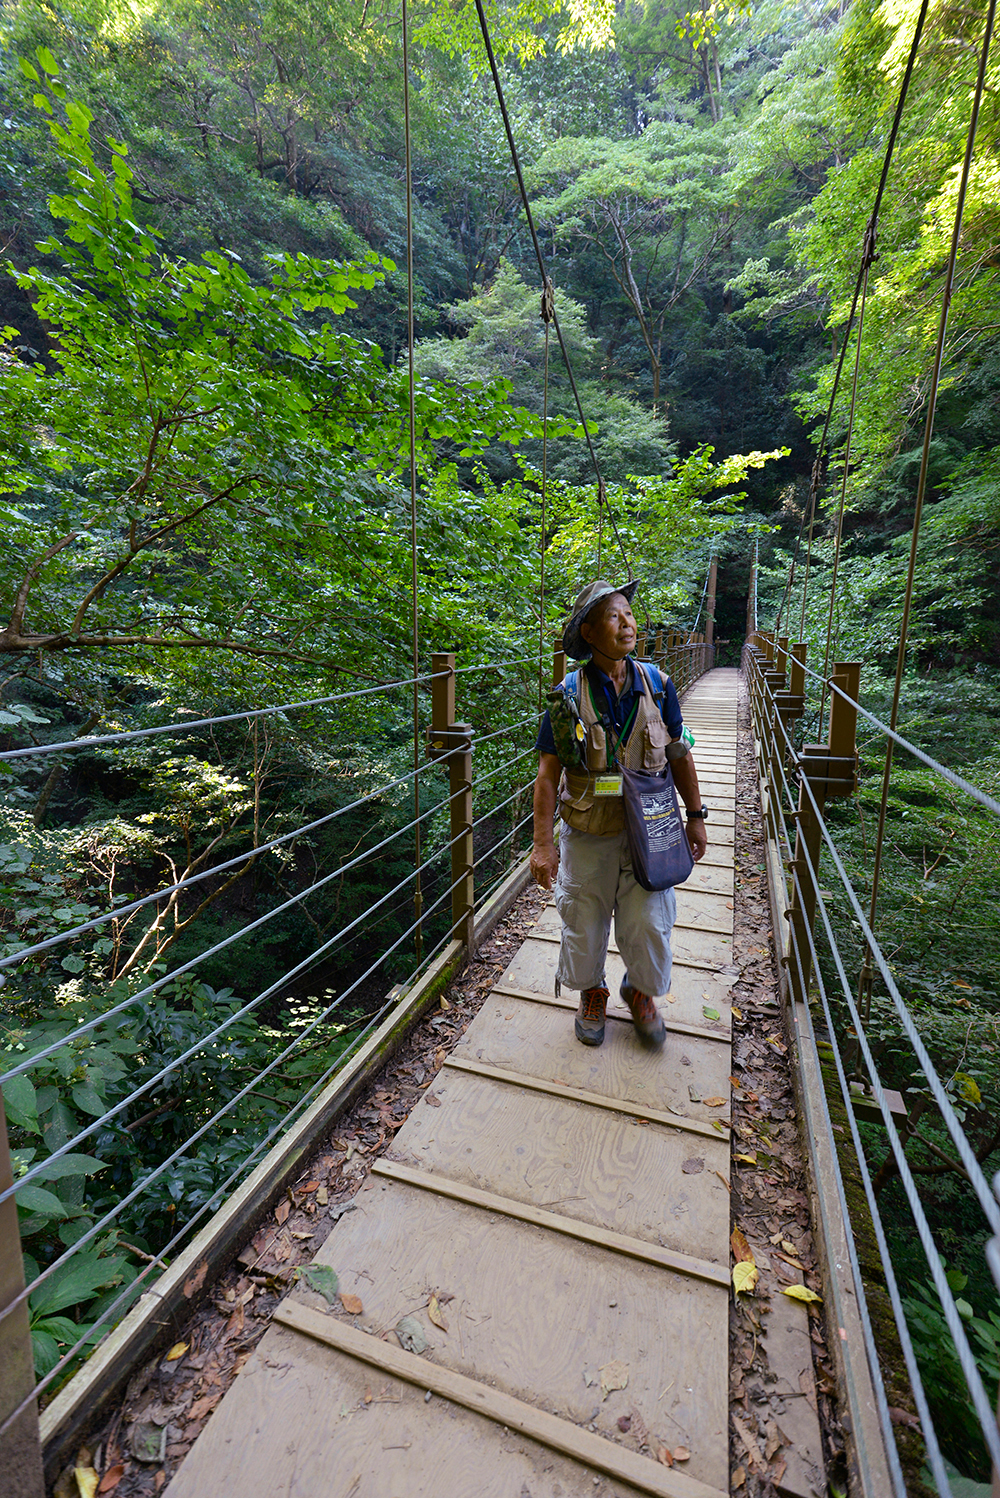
x=539, y=1040
x=508, y=1329
x=692, y=989
x=303, y=1422
x=582, y=1162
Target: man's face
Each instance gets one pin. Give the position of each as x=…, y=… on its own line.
x=609, y=628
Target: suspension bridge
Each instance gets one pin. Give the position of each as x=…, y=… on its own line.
x=574, y=1206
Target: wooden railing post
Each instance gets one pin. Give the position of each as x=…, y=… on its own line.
x=451, y=741
x=558, y=662
x=20, y=1450
x=830, y=770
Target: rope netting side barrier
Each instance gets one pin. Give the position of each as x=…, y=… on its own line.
x=821, y=974
x=131, y=1051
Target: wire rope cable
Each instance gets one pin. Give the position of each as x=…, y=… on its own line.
x=602, y=498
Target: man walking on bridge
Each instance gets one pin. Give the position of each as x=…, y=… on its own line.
x=616, y=710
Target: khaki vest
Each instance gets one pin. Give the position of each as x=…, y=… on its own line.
x=646, y=749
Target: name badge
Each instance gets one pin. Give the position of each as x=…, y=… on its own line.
x=608, y=785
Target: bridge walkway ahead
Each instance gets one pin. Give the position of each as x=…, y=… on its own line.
x=554, y=1222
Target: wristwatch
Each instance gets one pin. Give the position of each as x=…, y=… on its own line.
x=699, y=815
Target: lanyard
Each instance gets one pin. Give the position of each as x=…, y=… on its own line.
x=613, y=753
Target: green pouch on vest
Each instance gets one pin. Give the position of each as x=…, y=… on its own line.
x=567, y=730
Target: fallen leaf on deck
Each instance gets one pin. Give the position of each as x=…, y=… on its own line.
x=742, y=1251
x=86, y=1481
x=281, y=1212
x=666, y=1456
x=710, y=1013
x=745, y=1276
x=112, y=1478
x=614, y=1375
x=203, y=1406
x=715, y=1102
x=681, y=1454
x=775, y=1440
x=750, y=1446
x=434, y=1312
x=624, y=1423
x=194, y=1284
x=670, y=998
x=439, y=1056
x=747, y=1159
x=693, y=1167
x=322, y=1279
x=412, y=1337
x=177, y=1351
x=737, y=1013
x=801, y=1292
x=694, y=1094
x=434, y=1100
x=147, y=1441
x=352, y=1304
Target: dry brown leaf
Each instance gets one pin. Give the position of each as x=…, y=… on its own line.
x=434, y=1312
x=111, y=1478
x=739, y=1477
x=203, y=1406
x=235, y=1322
x=194, y=1284
x=693, y=1167
x=614, y=1375
x=715, y=1102
x=177, y=1351
x=433, y=1100
x=666, y=1456
x=302, y=1236
x=681, y=1454
x=309, y=1186
x=281, y=1211
x=351, y=1303
x=753, y=1451
x=322, y=1197
x=742, y=1251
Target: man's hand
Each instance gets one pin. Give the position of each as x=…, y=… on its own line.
x=697, y=837
x=544, y=865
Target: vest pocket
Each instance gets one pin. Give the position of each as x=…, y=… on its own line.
x=654, y=755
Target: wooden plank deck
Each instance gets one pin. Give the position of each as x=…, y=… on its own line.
x=571, y=1206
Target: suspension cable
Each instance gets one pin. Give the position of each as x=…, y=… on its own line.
x=868, y=254
x=602, y=497
x=918, y=505
x=412, y=413
x=547, y=310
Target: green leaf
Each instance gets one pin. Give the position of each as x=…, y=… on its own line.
x=87, y=1100
x=28, y=70
x=709, y=1012
x=75, y=1282
x=20, y=1102
x=73, y=963
x=322, y=1279
x=47, y=61
x=32, y=1198
x=70, y=1165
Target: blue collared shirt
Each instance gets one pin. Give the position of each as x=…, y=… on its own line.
x=616, y=709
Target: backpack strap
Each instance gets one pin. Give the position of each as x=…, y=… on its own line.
x=657, y=683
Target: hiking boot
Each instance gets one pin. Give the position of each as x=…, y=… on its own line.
x=589, y=1022
x=645, y=1015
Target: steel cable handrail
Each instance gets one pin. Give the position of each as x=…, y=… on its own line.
x=50, y=1269
x=71, y=1144
x=957, y=1330
x=127, y=735
x=485, y=738
x=507, y=835
x=220, y=1113
x=867, y=1332
x=977, y=1179
x=220, y=946
x=219, y=868
x=178, y=1061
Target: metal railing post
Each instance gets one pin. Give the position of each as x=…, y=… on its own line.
x=452, y=741
x=20, y=1449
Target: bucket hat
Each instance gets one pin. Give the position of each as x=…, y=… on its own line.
x=573, y=642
